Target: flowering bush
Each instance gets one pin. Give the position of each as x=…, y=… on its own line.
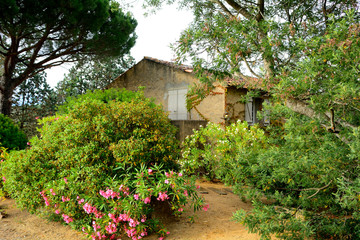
x=3, y=156
x=123, y=206
x=101, y=168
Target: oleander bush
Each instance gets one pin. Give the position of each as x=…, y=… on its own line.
x=11, y=137
x=3, y=156
x=103, y=167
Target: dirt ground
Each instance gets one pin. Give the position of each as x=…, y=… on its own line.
x=214, y=224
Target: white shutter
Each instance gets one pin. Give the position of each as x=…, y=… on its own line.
x=249, y=112
x=172, y=104
x=177, y=104
x=181, y=104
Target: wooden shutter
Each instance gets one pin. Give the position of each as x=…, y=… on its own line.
x=249, y=112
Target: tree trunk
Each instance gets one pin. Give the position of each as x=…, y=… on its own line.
x=6, y=92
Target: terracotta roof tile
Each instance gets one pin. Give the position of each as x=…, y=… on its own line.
x=182, y=67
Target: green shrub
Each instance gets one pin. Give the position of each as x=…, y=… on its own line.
x=303, y=183
x=10, y=135
x=100, y=166
x=211, y=151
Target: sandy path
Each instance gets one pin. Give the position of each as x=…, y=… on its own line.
x=215, y=224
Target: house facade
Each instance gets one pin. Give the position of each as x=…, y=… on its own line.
x=168, y=83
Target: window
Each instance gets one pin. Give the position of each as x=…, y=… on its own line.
x=252, y=107
x=177, y=104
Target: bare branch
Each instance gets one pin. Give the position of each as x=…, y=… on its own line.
x=240, y=9
x=317, y=190
x=250, y=69
x=223, y=7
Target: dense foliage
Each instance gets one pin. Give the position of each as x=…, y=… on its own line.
x=103, y=168
x=36, y=35
x=11, y=137
x=302, y=186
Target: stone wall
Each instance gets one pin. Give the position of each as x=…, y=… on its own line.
x=186, y=127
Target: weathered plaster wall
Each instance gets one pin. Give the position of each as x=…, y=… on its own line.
x=234, y=107
x=213, y=106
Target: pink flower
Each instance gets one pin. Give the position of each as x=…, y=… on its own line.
x=180, y=210
x=180, y=174
x=198, y=187
x=4, y=179
x=28, y=143
x=150, y=171
x=57, y=211
x=161, y=238
x=167, y=181
x=65, y=179
x=186, y=193
x=109, y=193
x=67, y=219
x=147, y=200
x=136, y=196
x=52, y=192
x=111, y=228
x=206, y=207
x=65, y=199
x=162, y=196
x=36, y=118
x=167, y=174
x=88, y=208
x=168, y=233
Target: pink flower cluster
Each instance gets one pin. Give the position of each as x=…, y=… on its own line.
x=42, y=193
x=147, y=200
x=90, y=209
x=65, y=199
x=133, y=223
x=163, y=196
x=109, y=193
x=4, y=179
x=111, y=228
x=206, y=207
x=52, y=192
x=67, y=219
x=80, y=201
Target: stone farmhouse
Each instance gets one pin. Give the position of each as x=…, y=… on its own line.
x=168, y=83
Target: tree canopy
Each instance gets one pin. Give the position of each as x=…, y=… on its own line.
x=36, y=35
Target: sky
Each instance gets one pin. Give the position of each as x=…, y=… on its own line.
x=155, y=33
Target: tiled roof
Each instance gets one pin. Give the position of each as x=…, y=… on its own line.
x=182, y=67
